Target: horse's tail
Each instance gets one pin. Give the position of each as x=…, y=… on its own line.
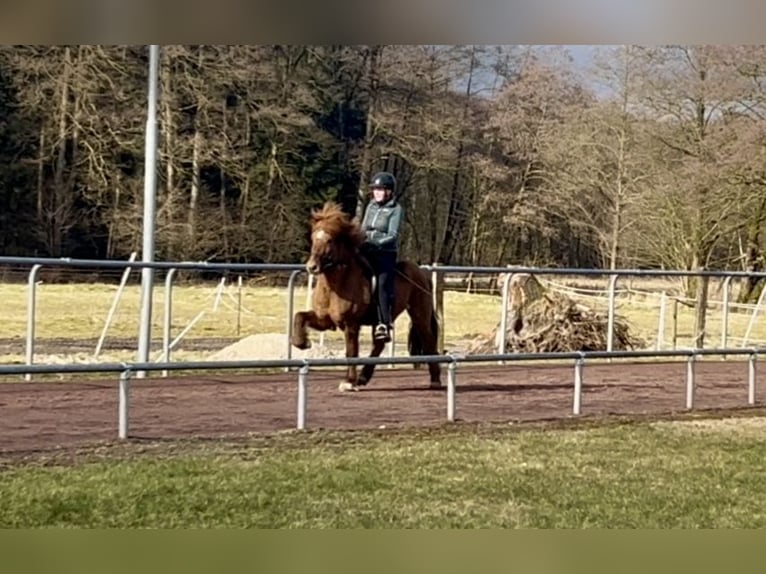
x=415, y=343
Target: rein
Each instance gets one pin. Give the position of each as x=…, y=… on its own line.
x=411, y=282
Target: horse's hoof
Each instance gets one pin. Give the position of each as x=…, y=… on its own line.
x=362, y=381
x=346, y=386
x=436, y=385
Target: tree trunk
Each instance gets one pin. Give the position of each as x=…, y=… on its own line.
x=474, y=245
x=41, y=174
x=56, y=208
x=700, y=297
x=700, y=317
x=195, y=184
x=196, y=151
x=113, y=222
x=222, y=191
x=614, y=240
x=753, y=259
x=245, y=197
x=169, y=130
x=434, y=244
x=272, y=170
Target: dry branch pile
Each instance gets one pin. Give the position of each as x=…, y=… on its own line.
x=540, y=321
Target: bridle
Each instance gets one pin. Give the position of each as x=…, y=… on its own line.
x=325, y=265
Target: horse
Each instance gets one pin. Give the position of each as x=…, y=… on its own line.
x=343, y=297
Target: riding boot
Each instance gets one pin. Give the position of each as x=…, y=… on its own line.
x=382, y=330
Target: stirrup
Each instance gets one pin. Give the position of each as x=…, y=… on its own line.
x=381, y=333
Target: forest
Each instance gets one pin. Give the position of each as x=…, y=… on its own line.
x=648, y=157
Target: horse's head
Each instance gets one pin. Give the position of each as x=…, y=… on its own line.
x=334, y=238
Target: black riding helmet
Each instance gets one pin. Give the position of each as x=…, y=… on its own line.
x=383, y=179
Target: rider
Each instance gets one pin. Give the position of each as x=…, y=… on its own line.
x=381, y=222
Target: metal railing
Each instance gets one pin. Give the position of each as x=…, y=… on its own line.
x=304, y=366
x=172, y=267
x=36, y=264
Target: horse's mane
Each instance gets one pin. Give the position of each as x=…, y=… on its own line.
x=339, y=224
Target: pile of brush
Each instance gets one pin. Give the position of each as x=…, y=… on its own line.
x=540, y=321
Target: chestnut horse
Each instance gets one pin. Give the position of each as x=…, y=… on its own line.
x=343, y=298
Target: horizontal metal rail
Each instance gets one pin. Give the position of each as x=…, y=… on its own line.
x=481, y=269
x=171, y=266
x=121, y=264
x=126, y=370
x=304, y=365
x=594, y=272
x=361, y=361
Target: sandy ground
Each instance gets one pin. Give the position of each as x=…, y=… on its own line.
x=44, y=416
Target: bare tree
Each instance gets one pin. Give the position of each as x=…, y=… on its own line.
x=690, y=91
x=598, y=159
x=526, y=122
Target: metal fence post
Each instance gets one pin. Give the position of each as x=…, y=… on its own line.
x=290, y=308
x=31, y=312
x=124, y=406
x=501, y=339
x=168, y=318
x=750, y=324
x=303, y=374
x=661, y=322
x=239, y=306
x=451, y=381
x=612, y=312
x=578, y=377
x=725, y=312
x=437, y=288
x=690, y=380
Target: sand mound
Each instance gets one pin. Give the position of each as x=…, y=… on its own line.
x=269, y=346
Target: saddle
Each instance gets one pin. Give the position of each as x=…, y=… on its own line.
x=369, y=271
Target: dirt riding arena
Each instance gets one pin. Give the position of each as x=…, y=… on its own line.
x=40, y=416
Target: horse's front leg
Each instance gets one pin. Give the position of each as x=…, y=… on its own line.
x=304, y=319
x=368, y=370
x=351, y=333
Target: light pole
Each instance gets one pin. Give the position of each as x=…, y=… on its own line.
x=150, y=195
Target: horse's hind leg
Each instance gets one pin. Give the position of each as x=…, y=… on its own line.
x=425, y=340
x=303, y=319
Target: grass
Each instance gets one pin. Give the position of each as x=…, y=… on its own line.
x=699, y=474
x=643, y=475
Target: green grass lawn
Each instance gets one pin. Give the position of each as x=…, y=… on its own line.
x=690, y=474
x=642, y=475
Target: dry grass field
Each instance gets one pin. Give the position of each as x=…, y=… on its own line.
x=71, y=317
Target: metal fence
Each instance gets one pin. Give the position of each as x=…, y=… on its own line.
x=127, y=370
x=295, y=270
